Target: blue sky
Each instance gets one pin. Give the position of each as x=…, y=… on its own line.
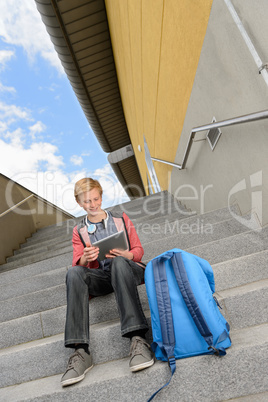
x=46, y=143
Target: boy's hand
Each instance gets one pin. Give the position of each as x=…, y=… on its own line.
x=117, y=252
x=90, y=253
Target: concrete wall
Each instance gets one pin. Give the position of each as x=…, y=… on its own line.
x=23, y=221
x=156, y=46
x=227, y=84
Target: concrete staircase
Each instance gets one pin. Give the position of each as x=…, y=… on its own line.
x=32, y=314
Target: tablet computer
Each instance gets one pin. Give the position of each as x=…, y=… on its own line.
x=116, y=240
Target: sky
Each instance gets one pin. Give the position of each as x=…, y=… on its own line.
x=46, y=143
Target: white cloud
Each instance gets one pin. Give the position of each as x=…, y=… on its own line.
x=76, y=160
x=15, y=138
x=5, y=56
x=15, y=158
x=3, y=88
x=30, y=32
x=37, y=128
x=12, y=113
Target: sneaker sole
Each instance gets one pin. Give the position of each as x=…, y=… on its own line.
x=142, y=366
x=72, y=381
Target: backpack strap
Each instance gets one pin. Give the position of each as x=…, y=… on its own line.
x=83, y=232
x=165, y=315
x=193, y=307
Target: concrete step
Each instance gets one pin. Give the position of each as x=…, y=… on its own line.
x=148, y=209
x=245, y=242
x=33, y=312
x=152, y=230
x=187, y=233
x=41, y=249
x=245, y=306
x=156, y=205
x=152, y=223
x=164, y=194
x=60, y=225
x=57, y=231
x=243, y=371
x=209, y=217
x=32, y=327
x=48, y=356
x=155, y=210
x=241, y=271
x=192, y=229
x=33, y=322
x=231, y=273
x=33, y=283
x=219, y=231
x=150, y=205
x=24, y=261
x=9, y=276
x=225, y=248
x=66, y=232
x=233, y=247
x=25, y=248
x=53, y=297
x=54, y=232
x=262, y=397
x=44, y=323
x=32, y=303
x=162, y=198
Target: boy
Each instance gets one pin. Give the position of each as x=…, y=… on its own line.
x=120, y=272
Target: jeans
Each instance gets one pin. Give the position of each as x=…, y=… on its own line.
x=122, y=278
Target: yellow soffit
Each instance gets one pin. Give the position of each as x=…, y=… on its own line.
x=156, y=46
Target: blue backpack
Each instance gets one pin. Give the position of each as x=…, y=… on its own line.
x=185, y=317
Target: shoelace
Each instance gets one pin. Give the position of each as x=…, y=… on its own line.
x=137, y=346
x=73, y=359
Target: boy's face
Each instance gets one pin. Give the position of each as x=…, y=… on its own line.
x=91, y=201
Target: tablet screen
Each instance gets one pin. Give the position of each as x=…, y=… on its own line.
x=116, y=240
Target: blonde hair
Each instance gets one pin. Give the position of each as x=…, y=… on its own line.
x=86, y=184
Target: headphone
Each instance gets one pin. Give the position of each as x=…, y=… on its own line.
x=91, y=227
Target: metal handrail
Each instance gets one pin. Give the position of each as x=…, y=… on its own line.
x=230, y=122
x=15, y=206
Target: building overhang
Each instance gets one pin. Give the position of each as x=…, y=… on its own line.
x=80, y=34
